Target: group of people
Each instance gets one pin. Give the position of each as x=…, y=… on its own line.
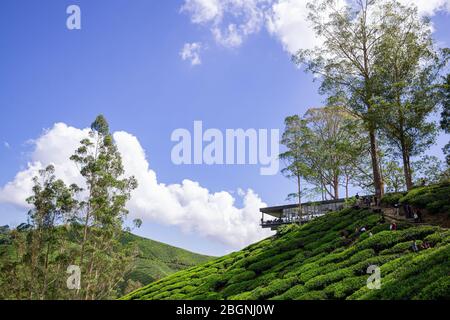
x=412, y=213
x=360, y=230
x=366, y=201
x=424, y=245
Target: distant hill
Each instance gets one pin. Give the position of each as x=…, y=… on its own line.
x=157, y=260
x=327, y=258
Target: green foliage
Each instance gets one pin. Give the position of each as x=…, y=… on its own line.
x=34, y=259
x=344, y=288
x=312, y=295
x=390, y=199
x=86, y=229
x=277, y=268
x=437, y=290
x=246, y=275
x=293, y=293
x=435, y=198
x=157, y=260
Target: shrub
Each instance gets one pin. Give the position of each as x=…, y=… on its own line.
x=434, y=198
x=416, y=273
x=212, y=283
x=313, y=272
x=292, y=293
x=385, y=239
x=236, y=288
x=270, y=262
x=380, y=227
x=207, y=296
x=436, y=237
x=286, y=229
x=313, y=295
x=390, y=199
x=437, y=290
x=242, y=276
x=276, y=287
x=358, y=257
x=401, y=247
x=322, y=281
x=241, y=296
x=282, y=268
x=361, y=267
x=345, y=287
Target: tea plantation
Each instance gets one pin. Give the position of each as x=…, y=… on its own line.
x=324, y=259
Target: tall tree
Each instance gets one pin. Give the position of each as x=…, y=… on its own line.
x=295, y=138
x=346, y=61
x=393, y=177
x=37, y=269
x=445, y=114
x=102, y=260
x=429, y=169
x=407, y=74
x=336, y=145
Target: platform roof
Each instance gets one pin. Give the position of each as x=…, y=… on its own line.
x=277, y=211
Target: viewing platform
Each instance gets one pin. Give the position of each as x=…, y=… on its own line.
x=288, y=214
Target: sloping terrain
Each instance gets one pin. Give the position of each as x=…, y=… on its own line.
x=157, y=260
x=325, y=259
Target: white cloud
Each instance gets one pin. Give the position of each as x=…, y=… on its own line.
x=429, y=7
x=287, y=21
x=6, y=144
x=232, y=21
x=191, y=52
x=188, y=205
x=202, y=11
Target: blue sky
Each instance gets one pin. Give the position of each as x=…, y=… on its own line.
x=125, y=63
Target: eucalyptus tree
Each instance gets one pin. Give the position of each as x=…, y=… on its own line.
x=336, y=146
x=445, y=114
x=345, y=61
x=295, y=138
x=102, y=258
x=37, y=268
x=429, y=169
x=393, y=177
x=407, y=73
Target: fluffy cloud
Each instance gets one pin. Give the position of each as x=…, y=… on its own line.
x=188, y=205
x=191, y=52
x=429, y=7
x=232, y=21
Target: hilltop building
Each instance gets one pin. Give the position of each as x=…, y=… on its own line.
x=288, y=214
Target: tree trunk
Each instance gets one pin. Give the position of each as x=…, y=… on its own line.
x=299, y=197
x=336, y=187
x=405, y=151
x=346, y=187
x=406, y=165
x=378, y=182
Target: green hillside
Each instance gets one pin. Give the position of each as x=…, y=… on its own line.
x=320, y=260
x=157, y=260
